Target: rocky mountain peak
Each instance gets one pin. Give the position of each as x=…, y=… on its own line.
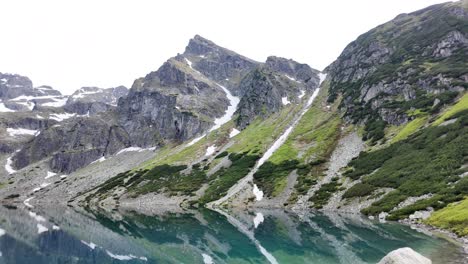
x=199, y=46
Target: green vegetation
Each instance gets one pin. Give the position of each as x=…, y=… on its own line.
x=321, y=196
x=454, y=217
x=460, y=106
x=269, y=174
x=307, y=147
x=165, y=177
x=359, y=190
x=428, y=161
x=410, y=128
x=225, y=178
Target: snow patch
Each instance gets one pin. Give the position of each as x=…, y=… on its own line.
x=61, y=117
x=285, y=100
x=22, y=131
x=302, y=94
x=130, y=149
x=195, y=140
x=63, y=176
x=54, y=227
x=258, y=219
x=5, y=109
x=82, y=94
x=99, y=160
x=26, y=202
x=258, y=193
x=234, y=132
x=29, y=105
x=8, y=166
x=2, y=232
x=41, y=229
x=50, y=175
x=207, y=259
x=91, y=245
x=322, y=77
x=210, y=150
x=124, y=257
x=44, y=184
x=291, y=78
x=37, y=217
x=233, y=102
x=39, y=117
x=58, y=102
x=189, y=63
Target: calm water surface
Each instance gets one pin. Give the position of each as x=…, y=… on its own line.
x=62, y=235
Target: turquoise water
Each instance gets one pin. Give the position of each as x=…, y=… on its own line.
x=62, y=235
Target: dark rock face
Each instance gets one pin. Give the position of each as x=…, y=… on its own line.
x=14, y=85
x=151, y=118
x=400, y=65
x=74, y=143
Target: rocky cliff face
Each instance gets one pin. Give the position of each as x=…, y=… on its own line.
x=275, y=84
x=74, y=143
x=416, y=61
x=93, y=100
x=174, y=103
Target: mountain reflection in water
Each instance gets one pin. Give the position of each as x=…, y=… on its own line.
x=63, y=235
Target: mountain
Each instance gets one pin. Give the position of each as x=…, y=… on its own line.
x=381, y=131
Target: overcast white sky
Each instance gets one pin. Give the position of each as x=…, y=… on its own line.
x=105, y=43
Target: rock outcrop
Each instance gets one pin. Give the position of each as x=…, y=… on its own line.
x=404, y=256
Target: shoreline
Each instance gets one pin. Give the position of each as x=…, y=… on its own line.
x=441, y=233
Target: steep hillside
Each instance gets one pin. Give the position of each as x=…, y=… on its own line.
x=404, y=69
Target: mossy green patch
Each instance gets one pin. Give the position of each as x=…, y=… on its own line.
x=460, y=106
x=410, y=128
x=454, y=217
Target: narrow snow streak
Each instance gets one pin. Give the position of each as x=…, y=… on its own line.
x=8, y=166
x=21, y=131
x=91, y=245
x=61, y=117
x=26, y=202
x=241, y=184
x=218, y=122
x=233, y=102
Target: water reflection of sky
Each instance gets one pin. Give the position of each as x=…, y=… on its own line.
x=61, y=235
